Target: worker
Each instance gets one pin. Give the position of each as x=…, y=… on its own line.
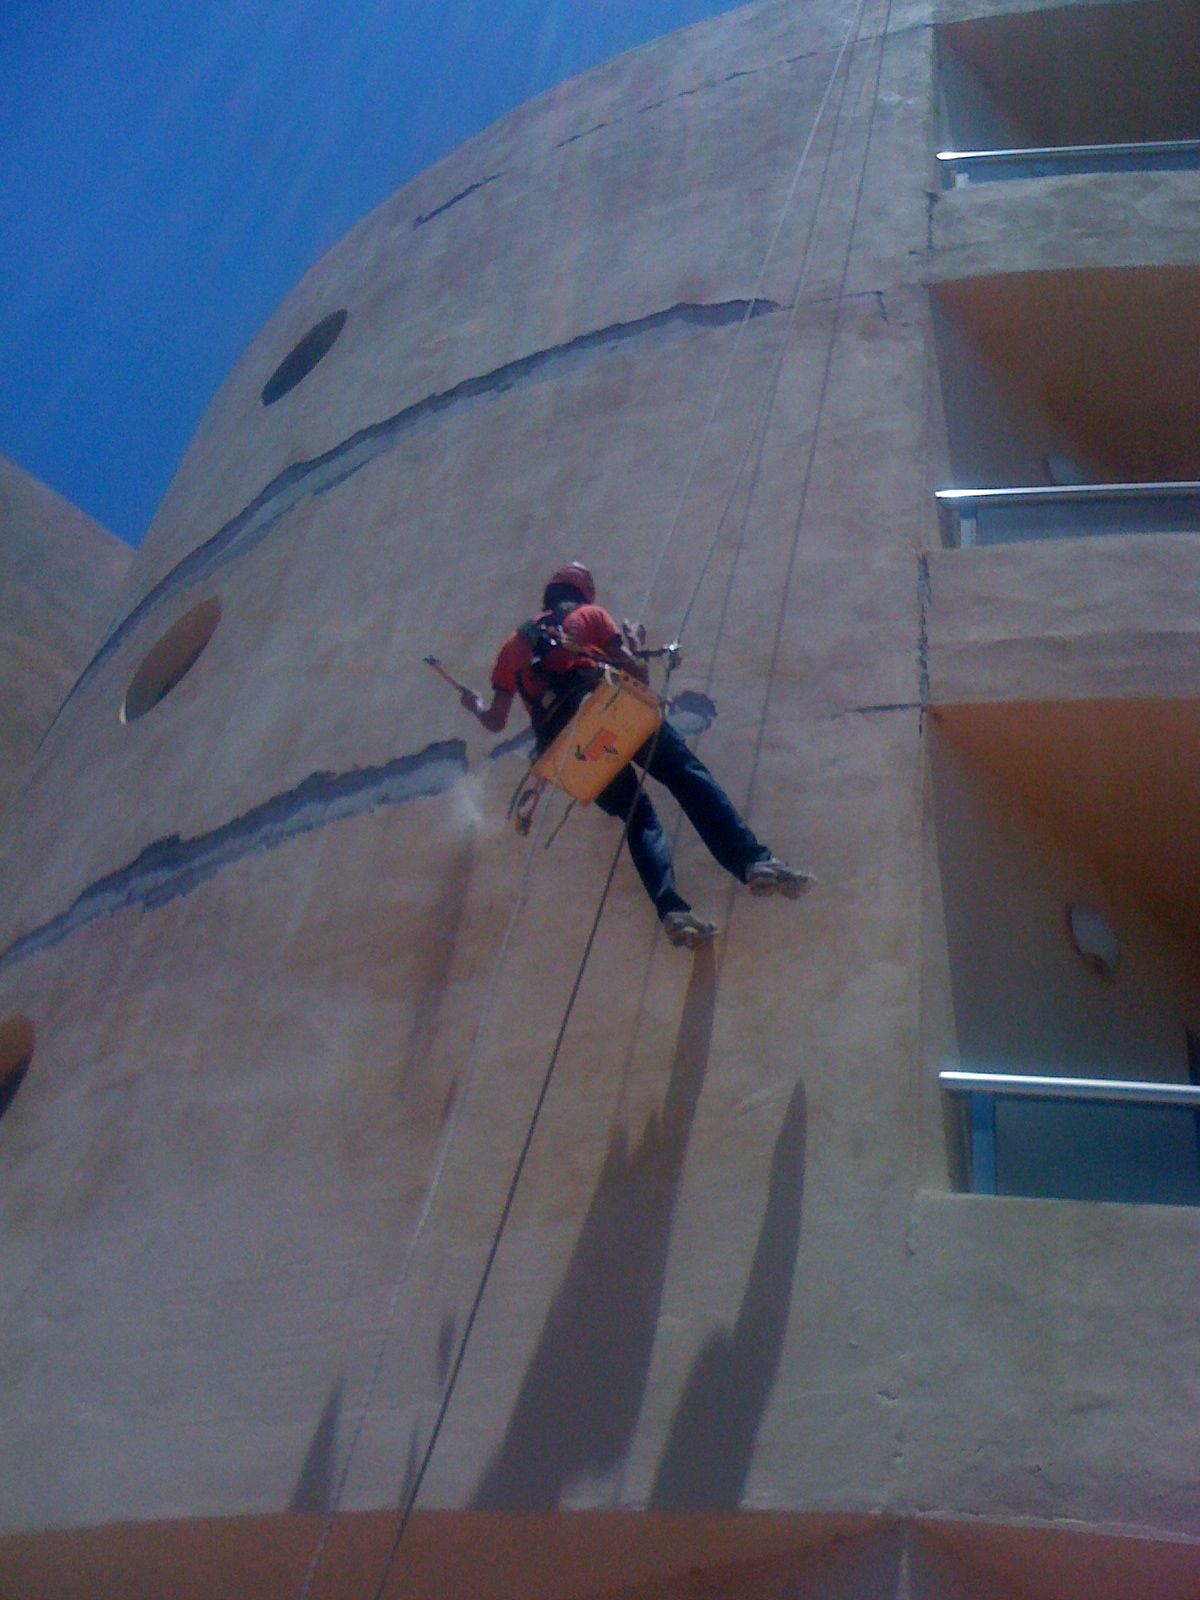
x=552, y=662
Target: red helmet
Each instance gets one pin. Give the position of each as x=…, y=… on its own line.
x=576, y=576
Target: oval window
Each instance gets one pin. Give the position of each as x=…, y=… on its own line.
x=299, y=361
x=171, y=659
x=16, y=1052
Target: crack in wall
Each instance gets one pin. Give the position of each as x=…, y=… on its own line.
x=638, y=111
x=715, y=83
x=885, y=705
x=324, y=472
x=428, y=216
x=574, y=137
x=924, y=596
x=172, y=866
x=683, y=94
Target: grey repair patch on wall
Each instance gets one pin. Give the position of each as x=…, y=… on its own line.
x=691, y=713
x=172, y=867
x=324, y=472
x=472, y=188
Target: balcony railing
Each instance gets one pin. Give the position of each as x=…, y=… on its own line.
x=984, y=1091
x=963, y=167
x=1009, y=516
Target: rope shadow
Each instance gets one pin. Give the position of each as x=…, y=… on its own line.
x=582, y=1393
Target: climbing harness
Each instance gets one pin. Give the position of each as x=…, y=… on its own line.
x=524, y=804
x=610, y=721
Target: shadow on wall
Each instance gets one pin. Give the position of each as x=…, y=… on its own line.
x=314, y=1487
x=435, y=951
x=708, y=1452
x=582, y=1394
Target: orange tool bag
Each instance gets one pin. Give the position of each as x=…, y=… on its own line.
x=613, y=721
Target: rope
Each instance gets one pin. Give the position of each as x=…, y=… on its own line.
x=446, y=1140
x=445, y=1144
x=514, y=1182
x=823, y=395
x=755, y=296
x=441, y=1157
x=759, y=433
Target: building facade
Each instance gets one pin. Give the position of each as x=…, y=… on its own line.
x=60, y=579
x=854, y=343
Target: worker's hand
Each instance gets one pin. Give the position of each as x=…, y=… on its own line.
x=635, y=635
x=634, y=666
x=471, y=702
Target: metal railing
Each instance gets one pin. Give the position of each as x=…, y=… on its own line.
x=982, y=1090
x=1078, y=511
x=961, y=168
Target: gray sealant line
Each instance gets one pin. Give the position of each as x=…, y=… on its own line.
x=324, y=472
x=171, y=867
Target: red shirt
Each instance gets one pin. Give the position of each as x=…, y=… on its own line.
x=588, y=626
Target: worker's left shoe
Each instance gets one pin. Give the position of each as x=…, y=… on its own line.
x=687, y=931
x=776, y=877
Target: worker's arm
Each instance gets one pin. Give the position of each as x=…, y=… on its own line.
x=492, y=717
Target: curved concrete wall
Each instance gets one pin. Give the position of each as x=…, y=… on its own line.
x=261, y=929
x=60, y=577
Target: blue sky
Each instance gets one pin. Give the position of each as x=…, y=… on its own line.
x=168, y=173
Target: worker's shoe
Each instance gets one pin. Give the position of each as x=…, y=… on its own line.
x=776, y=877
x=688, y=931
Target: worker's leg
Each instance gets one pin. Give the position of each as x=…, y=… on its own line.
x=705, y=804
x=647, y=840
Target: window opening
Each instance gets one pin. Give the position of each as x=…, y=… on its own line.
x=303, y=357
x=171, y=659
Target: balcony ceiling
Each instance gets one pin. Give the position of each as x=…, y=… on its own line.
x=1109, y=353
x=1090, y=74
x=1118, y=780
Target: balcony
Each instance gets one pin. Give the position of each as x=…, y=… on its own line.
x=1071, y=398
x=961, y=168
x=1079, y=1138
x=976, y=517
x=1061, y=931
x=1054, y=81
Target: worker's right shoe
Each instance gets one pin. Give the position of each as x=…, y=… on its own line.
x=776, y=877
x=686, y=930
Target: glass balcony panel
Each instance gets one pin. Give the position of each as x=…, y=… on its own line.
x=1097, y=1152
x=1011, y=516
x=964, y=167
x=1066, y=1139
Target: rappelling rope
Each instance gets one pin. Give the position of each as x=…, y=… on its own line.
x=490, y=995
x=759, y=433
x=822, y=397
x=410, y=1499
x=431, y=1188
x=755, y=296
x=756, y=439
x=441, y=1157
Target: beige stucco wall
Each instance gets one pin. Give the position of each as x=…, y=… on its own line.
x=60, y=577
x=265, y=974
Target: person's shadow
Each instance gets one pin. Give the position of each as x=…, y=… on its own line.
x=582, y=1393
x=710, y=1446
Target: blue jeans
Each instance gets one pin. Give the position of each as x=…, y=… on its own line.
x=705, y=804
